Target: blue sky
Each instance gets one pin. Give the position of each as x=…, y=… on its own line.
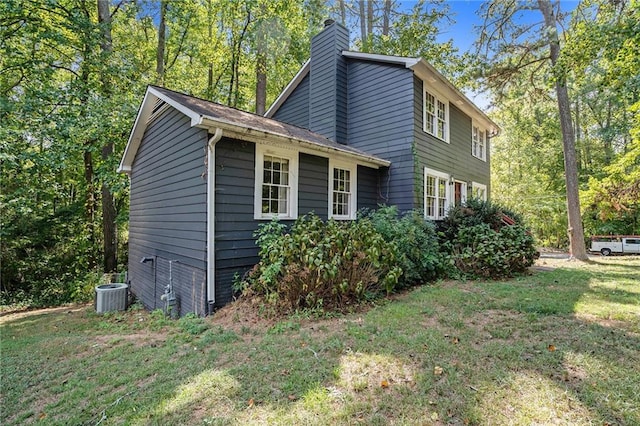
x=464, y=13
x=462, y=32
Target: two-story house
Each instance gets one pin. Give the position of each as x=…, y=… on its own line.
x=351, y=130
x=400, y=109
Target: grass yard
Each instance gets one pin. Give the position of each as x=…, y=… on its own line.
x=559, y=346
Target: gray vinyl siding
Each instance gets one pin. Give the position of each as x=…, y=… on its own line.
x=167, y=216
x=453, y=158
x=235, y=247
x=367, y=188
x=313, y=185
x=328, y=84
x=295, y=110
x=381, y=123
x=236, y=251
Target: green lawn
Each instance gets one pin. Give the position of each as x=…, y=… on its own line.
x=556, y=347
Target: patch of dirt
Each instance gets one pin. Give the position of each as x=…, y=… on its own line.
x=141, y=339
x=251, y=314
x=609, y=323
x=242, y=314
x=14, y=315
x=574, y=374
x=536, y=268
x=360, y=371
x=493, y=317
x=492, y=325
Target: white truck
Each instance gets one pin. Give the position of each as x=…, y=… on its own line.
x=618, y=244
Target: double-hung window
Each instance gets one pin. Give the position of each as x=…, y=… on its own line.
x=436, y=194
x=436, y=116
x=276, y=183
x=479, y=191
x=342, y=190
x=478, y=143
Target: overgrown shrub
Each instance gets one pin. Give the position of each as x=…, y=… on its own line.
x=487, y=241
x=326, y=265
x=474, y=212
x=419, y=253
x=479, y=251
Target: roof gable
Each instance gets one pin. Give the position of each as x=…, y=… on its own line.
x=419, y=66
x=234, y=122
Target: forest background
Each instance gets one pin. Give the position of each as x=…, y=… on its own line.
x=73, y=73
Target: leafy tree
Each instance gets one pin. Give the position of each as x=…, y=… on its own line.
x=514, y=49
x=63, y=113
x=613, y=202
x=392, y=28
x=602, y=76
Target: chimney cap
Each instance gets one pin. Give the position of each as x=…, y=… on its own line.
x=328, y=22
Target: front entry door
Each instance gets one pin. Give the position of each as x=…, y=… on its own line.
x=459, y=193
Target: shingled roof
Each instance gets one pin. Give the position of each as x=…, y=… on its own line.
x=207, y=114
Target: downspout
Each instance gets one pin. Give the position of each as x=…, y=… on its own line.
x=211, y=219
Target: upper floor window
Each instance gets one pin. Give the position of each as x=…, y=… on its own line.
x=436, y=116
x=276, y=183
x=342, y=190
x=478, y=143
x=479, y=191
x=436, y=194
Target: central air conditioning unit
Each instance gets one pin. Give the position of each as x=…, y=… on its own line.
x=111, y=297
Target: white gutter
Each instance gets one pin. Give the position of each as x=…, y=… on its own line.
x=211, y=218
x=261, y=136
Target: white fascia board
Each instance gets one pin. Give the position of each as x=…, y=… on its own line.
x=398, y=60
x=137, y=132
x=430, y=75
x=302, y=73
x=260, y=136
x=140, y=125
x=196, y=118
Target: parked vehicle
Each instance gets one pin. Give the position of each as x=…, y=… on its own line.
x=618, y=244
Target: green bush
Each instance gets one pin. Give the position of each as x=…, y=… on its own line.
x=419, y=253
x=479, y=251
x=327, y=265
x=482, y=242
x=44, y=258
x=474, y=212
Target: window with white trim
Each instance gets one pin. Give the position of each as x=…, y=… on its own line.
x=436, y=116
x=479, y=143
x=436, y=194
x=479, y=191
x=276, y=183
x=342, y=190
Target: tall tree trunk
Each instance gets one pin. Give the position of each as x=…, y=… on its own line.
x=582, y=150
x=90, y=205
x=162, y=32
x=369, y=20
x=343, y=12
x=575, y=231
x=108, y=208
x=236, y=54
x=363, y=26
x=210, y=33
x=261, y=63
x=386, y=17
